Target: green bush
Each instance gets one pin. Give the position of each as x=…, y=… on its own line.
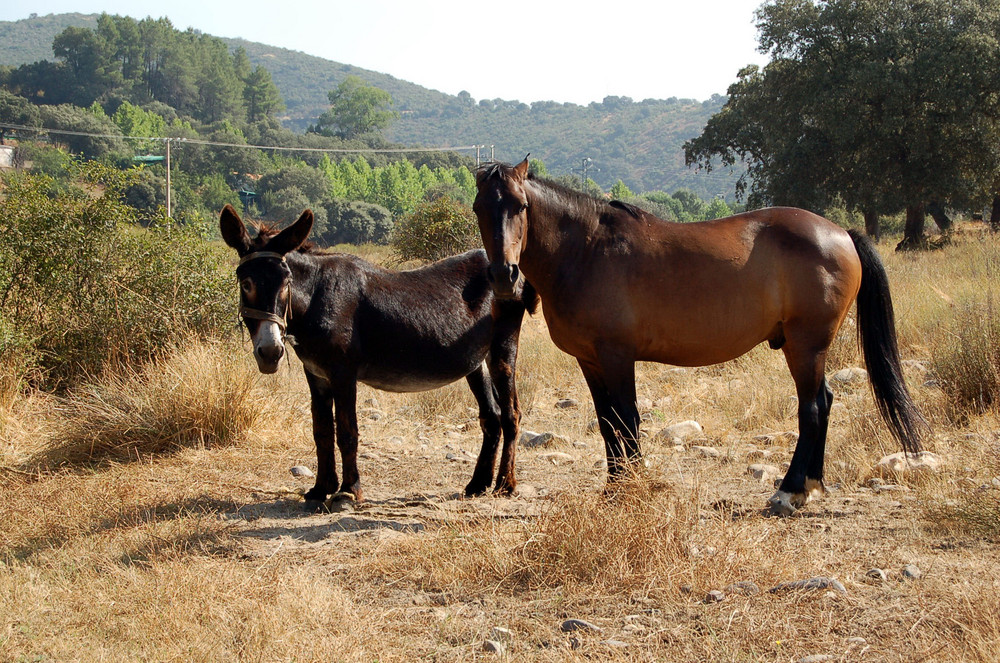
x=435, y=230
x=355, y=222
x=84, y=289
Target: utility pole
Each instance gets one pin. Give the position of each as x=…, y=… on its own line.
x=168, y=179
x=586, y=164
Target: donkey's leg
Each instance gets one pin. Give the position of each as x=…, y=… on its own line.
x=345, y=396
x=502, y=362
x=612, y=387
x=489, y=421
x=323, y=435
x=806, y=366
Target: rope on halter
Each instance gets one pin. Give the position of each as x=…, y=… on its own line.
x=256, y=314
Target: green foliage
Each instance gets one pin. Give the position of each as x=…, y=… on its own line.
x=356, y=109
x=71, y=118
x=435, y=230
x=619, y=191
x=356, y=222
x=83, y=289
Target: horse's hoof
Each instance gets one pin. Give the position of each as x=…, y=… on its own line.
x=784, y=504
x=314, y=506
x=341, y=503
x=475, y=490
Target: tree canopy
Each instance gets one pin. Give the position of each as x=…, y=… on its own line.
x=885, y=105
x=356, y=109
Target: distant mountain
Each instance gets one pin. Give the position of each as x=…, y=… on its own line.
x=637, y=142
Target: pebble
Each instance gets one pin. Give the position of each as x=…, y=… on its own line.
x=558, y=458
x=762, y=472
x=501, y=634
x=579, y=625
x=745, y=587
x=301, y=471
x=593, y=427
x=875, y=576
x=856, y=642
x=707, y=452
x=846, y=375
x=902, y=462
x=458, y=458
x=715, y=596
x=617, y=644
x=912, y=572
x=395, y=439
x=680, y=431
x=494, y=647
x=644, y=404
x=819, y=582
x=567, y=403
x=815, y=658
x=532, y=440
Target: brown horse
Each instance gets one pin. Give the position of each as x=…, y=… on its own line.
x=619, y=286
x=353, y=321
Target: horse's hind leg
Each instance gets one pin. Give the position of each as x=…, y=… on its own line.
x=489, y=421
x=323, y=434
x=805, y=473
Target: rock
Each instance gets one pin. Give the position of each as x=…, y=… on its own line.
x=912, y=572
x=903, y=463
x=715, y=596
x=571, y=625
x=644, y=404
x=537, y=440
x=875, y=576
x=848, y=375
x=762, y=472
x=616, y=644
x=458, y=458
x=815, y=658
x=856, y=642
x=558, y=458
x=301, y=471
x=501, y=634
x=567, y=403
x=527, y=436
x=707, y=452
x=494, y=647
x=395, y=439
x=744, y=587
x=593, y=427
x=819, y=582
x=680, y=431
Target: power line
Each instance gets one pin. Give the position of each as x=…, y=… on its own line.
x=197, y=141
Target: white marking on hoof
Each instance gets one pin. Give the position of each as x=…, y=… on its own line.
x=780, y=504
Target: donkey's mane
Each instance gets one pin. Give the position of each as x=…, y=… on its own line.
x=266, y=232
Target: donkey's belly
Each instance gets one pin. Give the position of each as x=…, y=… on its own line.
x=387, y=380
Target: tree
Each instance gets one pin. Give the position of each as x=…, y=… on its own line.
x=873, y=102
x=17, y=110
x=356, y=109
x=261, y=95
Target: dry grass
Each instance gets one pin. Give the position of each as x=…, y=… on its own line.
x=198, y=549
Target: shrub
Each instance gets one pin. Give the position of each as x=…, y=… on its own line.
x=435, y=230
x=967, y=358
x=86, y=289
x=356, y=222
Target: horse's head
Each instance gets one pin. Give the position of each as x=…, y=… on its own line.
x=501, y=206
x=265, y=281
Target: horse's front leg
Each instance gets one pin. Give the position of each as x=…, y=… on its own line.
x=612, y=386
x=345, y=397
x=323, y=436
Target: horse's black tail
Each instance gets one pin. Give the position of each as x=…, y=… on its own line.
x=877, y=338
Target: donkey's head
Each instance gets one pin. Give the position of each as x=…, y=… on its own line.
x=265, y=281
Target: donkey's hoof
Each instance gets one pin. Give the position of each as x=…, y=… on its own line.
x=341, y=503
x=314, y=506
x=475, y=489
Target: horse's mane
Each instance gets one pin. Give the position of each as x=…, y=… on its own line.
x=266, y=232
x=583, y=202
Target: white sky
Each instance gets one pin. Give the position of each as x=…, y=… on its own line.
x=512, y=49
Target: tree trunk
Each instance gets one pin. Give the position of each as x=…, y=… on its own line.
x=913, y=232
x=995, y=214
x=937, y=212
x=872, y=228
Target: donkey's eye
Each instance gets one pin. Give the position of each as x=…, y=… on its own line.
x=246, y=285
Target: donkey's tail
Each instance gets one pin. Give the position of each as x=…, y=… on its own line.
x=877, y=338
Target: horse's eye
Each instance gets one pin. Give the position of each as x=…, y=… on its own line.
x=524, y=206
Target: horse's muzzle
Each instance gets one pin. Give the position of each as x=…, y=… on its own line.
x=505, y=280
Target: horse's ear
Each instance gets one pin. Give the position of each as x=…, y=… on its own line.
x=521, y=169
x=293, y=236
x=234, y=233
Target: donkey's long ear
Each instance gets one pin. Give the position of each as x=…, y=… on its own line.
x=521, y=169
x=293, y=236
x=233, y=231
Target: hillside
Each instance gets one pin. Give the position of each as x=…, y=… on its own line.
x=637, y=142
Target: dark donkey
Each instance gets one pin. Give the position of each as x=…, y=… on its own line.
x=396, y=331
x=619, y=286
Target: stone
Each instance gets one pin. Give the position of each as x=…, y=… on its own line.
x=762, y=472
x=744, y=587
x=715, y=596
x=848, y=375
x=565, y=403
x=537, y=440
x=301, y=471
x=875, y=576
x=395, y=439
x=571, y=625
x=856, y=642
x=680, y=431
x=819, y=582
x=815, y=658
x=904, y=463
x=616, y=644
x=494, y=647
x=527, y=436
x=707, y=452
x=458, y=458
x=558, y=458
x=912, y=572
x=501, y=634
x=644, y=404
x=593, y=427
